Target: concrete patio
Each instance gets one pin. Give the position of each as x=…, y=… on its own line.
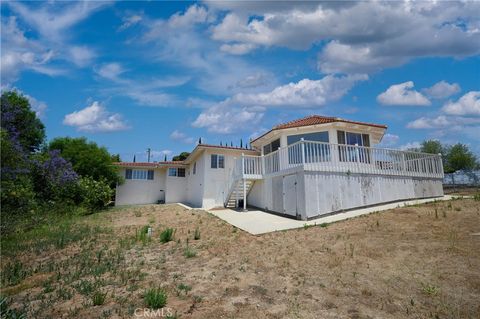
x=257, y=222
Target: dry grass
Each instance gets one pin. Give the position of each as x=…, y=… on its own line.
x=405, y=263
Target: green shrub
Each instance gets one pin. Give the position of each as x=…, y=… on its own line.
x=95, y=194
x=155, y=298
x=167, y=235
x=8, y=313
x=476, y=197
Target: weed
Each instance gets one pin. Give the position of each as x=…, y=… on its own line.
x=138, y=213
x=64, y=293
x=323, y=225
x=98, y=298
x=196, y=235
x=6, y=312
x=476, y=197
x=458, y=209
x=449, y=205
x=167, y=235
x=155, y=298
x=189, y=252
x=183, y=288
x=13, y=273
x=436, y=213
x=430, y=290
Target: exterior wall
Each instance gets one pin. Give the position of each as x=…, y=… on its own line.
x=331, y=192
x=196, y=183
x=217, y=180
x=141, y=191
x=176, y=189
x=256, y=197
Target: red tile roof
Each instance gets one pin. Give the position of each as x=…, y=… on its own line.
x=315, y=120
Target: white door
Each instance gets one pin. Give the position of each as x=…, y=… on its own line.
x=290, y=195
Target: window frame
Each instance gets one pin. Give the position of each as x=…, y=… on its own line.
x=218, y=163
x=139, y=174
x=176, y=170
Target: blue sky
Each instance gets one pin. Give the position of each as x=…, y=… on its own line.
x=159, y=75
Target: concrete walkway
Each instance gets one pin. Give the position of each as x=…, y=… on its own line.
x=257, y=222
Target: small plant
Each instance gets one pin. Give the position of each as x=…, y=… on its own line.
x=155, y=298
x=189, y=252
x=449, y=205
x=430, y=290
x=324, y=225
x=476, y=197
x=143, y=235
x=183, y=288
x=196, y=235
x=138, y=213
x=98, y=298
x=167, y=235
x=436, y=213
x=458, y=209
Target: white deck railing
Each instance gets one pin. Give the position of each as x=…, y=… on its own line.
x=326, y=157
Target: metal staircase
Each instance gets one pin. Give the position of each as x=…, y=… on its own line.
x=236, y=192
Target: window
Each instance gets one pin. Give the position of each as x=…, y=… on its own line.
x=139, y=174
x=313, y=152
x=353, y=154
x=176, y=171
x=217, y=161
x=272, y=147
x=194, y=168
x=317, y=137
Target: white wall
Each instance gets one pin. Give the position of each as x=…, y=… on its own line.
x=140, y=191
x=196, y=183
x=176, y=189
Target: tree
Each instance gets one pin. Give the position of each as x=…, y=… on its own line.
x=116, y=158
x=181, y=157
x=432, y=147
x=20, y=122
x=459, y=157
x=87, y=158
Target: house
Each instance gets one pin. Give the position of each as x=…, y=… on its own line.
x=303, y=169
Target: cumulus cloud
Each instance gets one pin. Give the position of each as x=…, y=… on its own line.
x=411, y=146
x=246, y=109
x=181, y=137
x=442, y=90
x=95, y=118
x=110, y=71
x=469, y=104
x=362, y=36
x=402, y=94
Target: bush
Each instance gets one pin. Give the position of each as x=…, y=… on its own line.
x=98, y=298
x=95, y=194
x=155, y=298
x=167, y=235
x=189, y=252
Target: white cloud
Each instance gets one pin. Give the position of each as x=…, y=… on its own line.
x=181, y=137
x=411, y=146
x=95, y=118
x=81, y=55
x=243, y=110
x=305, y=93
x=442, y=122
x=389, y=139
x=238, y=48
x=469, y=104
x=53, y=21
x=110, y=71
x=442, y=89
x=39, y=107
x=402, y=94
x=130, y=21
x=363, y=36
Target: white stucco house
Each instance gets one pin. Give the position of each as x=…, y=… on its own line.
x=303, y=169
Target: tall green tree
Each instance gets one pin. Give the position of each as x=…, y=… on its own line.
x=21, y=122
x=87, y=158
x=459, y=157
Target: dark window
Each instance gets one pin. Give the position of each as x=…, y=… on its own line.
x=150, y=174
x=213, y=161
x=317, y=137
x=128, y=173
x=341, y=137
x=181, y=172
x=271, y=147
x=172, y=171
x=221, y=161
x=194, y=168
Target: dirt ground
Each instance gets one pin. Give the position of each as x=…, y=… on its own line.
x=409, y=262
